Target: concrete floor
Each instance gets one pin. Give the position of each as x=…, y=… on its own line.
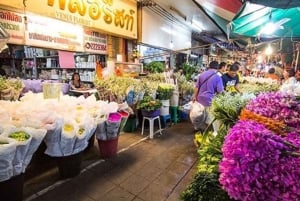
x=143, y=170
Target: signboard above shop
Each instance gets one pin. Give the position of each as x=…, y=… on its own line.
x=50, y=33
x=117, y=17
x=13, y=23
x=54, y=34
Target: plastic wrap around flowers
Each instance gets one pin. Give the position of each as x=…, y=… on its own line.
x=279, y=106
x=259, y=165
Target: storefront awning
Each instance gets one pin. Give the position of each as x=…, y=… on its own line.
x=277, y=3
x=255, y=20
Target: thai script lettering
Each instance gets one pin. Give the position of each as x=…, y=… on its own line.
x=52, y=39
x=10, y=26
x=97, y=10
x=95, y=34
x=9, y=16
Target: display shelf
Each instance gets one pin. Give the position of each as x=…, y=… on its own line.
x=81, y=54
x=59, y=68
x=84, y=68
x=45, y=63
x=50, y=56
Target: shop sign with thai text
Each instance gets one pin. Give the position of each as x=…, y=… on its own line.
x=95, y=42
x=54, y=34
x=13, y=23
x=112, y=16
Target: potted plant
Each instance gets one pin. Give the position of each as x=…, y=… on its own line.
x=164, y=93
x=149, y=106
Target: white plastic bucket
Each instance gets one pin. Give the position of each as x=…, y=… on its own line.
x=174, y=99
x=164, y=109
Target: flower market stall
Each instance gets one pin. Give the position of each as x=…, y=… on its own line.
x=65, y=125
x=132, y=90
x=255, y=155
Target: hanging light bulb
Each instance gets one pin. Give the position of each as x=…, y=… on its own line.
x=269, y=28
x=171, y=44
x=269, y=50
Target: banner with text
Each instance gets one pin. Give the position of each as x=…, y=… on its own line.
x=117, y=17
x=54, y=34
x=95, y=42
x=13, y=23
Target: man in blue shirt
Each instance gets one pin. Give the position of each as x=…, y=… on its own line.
x=231, y=79
x=209, y=83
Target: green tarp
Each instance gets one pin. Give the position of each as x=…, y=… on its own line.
x=252, y=19
x=277, y=3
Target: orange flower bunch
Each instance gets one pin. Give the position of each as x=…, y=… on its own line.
x=276, y=126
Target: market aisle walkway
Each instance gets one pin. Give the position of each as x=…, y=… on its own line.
x=144, y=170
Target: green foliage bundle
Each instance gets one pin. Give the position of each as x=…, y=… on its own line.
x=188, y=70
x=118, y=85
x=258, y=88
x=15, y=83
x=226, y=107
x=3, y=83
x=164, y=91
x=184, y=86
x=258, y=85
x=154, y=77
x=155, y=67
x=148, y=103
x=205, y=186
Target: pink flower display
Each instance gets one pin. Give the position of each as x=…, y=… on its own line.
x=258, y=165
x=277, y=105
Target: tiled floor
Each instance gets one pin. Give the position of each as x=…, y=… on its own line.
x=144, y=170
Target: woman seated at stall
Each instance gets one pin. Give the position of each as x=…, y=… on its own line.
x=78, y=88
x=76, y=83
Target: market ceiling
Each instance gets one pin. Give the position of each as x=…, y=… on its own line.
x=230, y=19
x=213, y=15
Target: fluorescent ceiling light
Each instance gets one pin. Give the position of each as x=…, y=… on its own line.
x=197, y=25
x=167, y=30
x=269, y=28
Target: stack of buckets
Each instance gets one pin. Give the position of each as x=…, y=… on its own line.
x=174, y=106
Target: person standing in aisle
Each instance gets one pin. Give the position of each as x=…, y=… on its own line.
x=222, y=68
x=271, y=74
x=231, y=79
x=209, y=84
x=289, y=76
